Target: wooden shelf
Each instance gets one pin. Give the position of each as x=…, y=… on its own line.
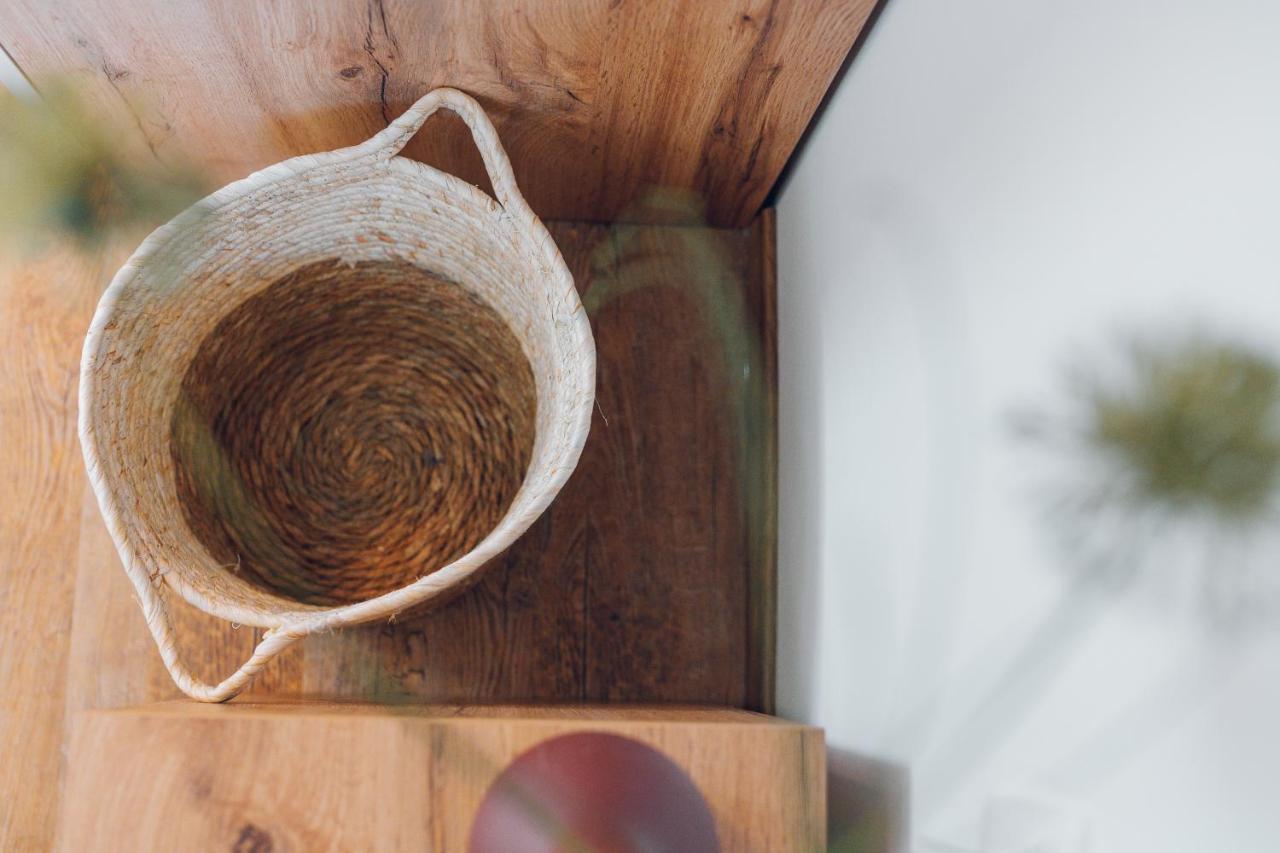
x=595, y=101
x=350, y=777
x=651, y=579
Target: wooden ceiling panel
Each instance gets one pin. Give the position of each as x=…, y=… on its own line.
x=598, y=101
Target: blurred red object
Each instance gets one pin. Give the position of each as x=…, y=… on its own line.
x=593, y=791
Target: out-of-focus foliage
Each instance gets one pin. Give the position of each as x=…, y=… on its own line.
x=1195, y=426
x=1162, y=486
x=1164, y=475
x=62, y=171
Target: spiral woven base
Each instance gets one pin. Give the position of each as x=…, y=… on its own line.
x=351, y=429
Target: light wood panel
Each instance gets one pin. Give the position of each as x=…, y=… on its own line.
x=595, y=101
x=650, y=579
x=45, y=302
x=245, y=777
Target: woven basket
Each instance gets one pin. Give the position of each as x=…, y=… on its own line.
x=333, y=391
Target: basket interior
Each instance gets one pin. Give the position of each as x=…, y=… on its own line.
x=351, y=428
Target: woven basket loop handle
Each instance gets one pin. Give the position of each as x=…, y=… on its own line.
x=156, y=613
x=391, y=141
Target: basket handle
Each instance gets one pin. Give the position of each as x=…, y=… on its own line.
x=389, y=142
x=156, y=612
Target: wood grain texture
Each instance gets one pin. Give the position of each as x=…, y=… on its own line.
x=637, y=584
x=580, y=712
x=595, y=101
x=762, y=449
x=45, y=304
x=283, y=778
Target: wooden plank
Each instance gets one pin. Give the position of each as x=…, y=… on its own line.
x=761, y=448
x=276, y=706
x=637, y=583
x=595, y=101
x=184, y=776
x=681, y=348
x=45, y=303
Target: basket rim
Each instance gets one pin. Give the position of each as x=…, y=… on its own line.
x=295, y=615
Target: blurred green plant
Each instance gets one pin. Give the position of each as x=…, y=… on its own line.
x=1163, y=475
x=64, y=171
x=1196, y=426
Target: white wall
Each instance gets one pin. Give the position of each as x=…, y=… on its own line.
x=996, y=187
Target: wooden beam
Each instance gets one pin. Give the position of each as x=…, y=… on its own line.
x=273, y=777
x=597, y=102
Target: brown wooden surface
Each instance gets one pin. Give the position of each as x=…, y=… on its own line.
x=189, y=777
x=276, y=706
x=634, y=586
x=44, y=309
x=639, y=585
x=762, y=449
x=594, y=100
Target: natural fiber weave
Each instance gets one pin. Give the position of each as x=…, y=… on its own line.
x=376, y=434
x=333, y=391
